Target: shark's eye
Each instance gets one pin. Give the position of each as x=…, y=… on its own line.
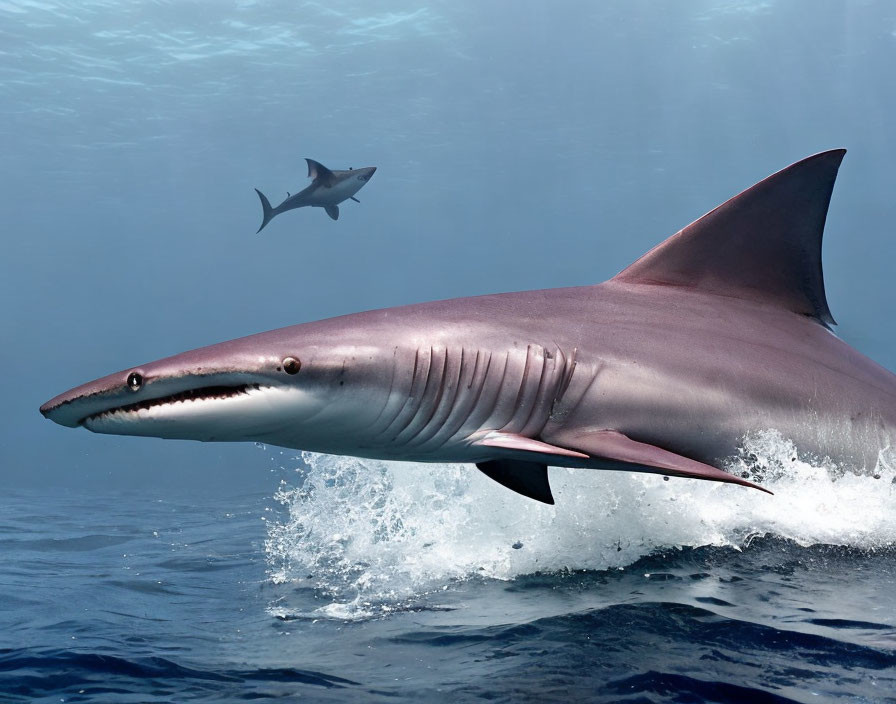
x=291, y=365
x=135, y=381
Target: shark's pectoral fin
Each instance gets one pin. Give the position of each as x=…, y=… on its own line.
x=527, y=478
x=332, y=211
x=520, y=443
x=524, y=476
x=618, y=451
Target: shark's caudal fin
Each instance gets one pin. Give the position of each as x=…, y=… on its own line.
x=268, y=210
x=762, y=245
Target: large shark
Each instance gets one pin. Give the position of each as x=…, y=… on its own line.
x=327, y=190
x=719, y=332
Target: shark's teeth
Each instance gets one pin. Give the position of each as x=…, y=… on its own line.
x=205, y=393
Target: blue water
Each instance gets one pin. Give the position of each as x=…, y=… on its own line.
x=368, y=581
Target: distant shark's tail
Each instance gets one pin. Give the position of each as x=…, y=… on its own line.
x=268, y=210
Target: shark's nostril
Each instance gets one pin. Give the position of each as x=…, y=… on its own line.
x=135, y=381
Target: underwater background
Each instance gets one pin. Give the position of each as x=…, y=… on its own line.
x=519, y=145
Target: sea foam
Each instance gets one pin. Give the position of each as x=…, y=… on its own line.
x=365, y=532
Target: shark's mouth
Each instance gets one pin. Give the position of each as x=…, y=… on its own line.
x=205, y=393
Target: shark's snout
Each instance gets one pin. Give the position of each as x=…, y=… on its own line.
x=365, y=174
x=203, y=375
x=70, y=408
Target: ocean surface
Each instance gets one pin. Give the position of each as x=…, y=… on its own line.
x=371, y=581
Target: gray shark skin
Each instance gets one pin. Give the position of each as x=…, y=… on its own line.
x=327, y=190
x=720, y=331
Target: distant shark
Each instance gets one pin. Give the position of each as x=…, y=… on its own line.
x=327, y=190
x=720, y=331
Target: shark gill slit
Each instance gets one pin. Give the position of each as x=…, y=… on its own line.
x=558, y=413
x=526, y=410
x=548, y=383
x=456, y=414
x=409, y=397
x=429, y=413
x=467, y=401
x=416, y=393
x=568, y=369
x=468, y=404
x=547, y=392
x=475, y=369
x=444, y=406
x=521, y=401
x=493, y=402
x=429, y=397
x=391, y=392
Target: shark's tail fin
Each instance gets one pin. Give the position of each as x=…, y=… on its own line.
x=268, y=210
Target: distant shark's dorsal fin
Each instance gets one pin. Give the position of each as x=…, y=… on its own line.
x=762, y=245
x=316, y=170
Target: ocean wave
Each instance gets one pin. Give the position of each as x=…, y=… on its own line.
x=661, y=651
x=29, y=674
x=374, y=536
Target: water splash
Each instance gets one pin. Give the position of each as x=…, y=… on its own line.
x=368, y=536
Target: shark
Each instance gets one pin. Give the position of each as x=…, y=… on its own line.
x=327, y=190
x=720, y=331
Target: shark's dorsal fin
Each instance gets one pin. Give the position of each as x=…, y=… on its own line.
x=762, y=245
x=316, y=170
